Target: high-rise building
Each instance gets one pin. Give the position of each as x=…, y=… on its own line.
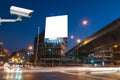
x=50, y=50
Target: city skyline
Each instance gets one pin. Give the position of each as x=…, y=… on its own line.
x=97, y=13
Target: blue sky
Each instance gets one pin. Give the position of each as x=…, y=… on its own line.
x=99, y=13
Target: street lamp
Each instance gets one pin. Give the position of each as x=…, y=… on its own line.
x=30, y=48
x=78, y=40
x=84, y=22
x=115, y=46
x=1, y=43
x=71, y=37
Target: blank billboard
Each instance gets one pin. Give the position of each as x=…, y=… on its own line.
x=56, y=26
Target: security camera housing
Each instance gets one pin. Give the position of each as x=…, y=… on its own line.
x=21, y=11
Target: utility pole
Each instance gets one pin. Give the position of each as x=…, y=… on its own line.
x=36, y=57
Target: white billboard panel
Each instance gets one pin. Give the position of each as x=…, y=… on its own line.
x=56, y=27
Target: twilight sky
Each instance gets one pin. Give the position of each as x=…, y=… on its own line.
x=99, y=13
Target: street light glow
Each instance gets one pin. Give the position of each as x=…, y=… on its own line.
x=71, y=36
x=115, y=46
x=78, y=40
x=84, y=22
x=30, y=48
x=1, y=43
x=85, y=42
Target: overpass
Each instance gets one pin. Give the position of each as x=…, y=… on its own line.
x=104, y=45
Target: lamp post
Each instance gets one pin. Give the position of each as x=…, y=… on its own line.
x=37, y=45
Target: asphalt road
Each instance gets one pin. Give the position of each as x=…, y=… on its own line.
x=55, y=76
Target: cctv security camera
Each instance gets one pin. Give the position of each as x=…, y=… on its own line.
x=21, y=11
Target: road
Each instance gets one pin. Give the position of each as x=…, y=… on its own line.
x=60, y=73
x=56, y=76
